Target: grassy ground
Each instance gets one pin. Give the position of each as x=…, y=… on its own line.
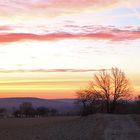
x=136, y=118
x=95, y=127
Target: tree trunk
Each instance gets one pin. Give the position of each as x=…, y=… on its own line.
x=84, y=105
x=113, y=107
x=107, y=106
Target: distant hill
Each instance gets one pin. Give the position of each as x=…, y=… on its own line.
x=62, y=105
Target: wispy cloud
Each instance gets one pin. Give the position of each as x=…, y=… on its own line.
x=5, y=28
x=51, y=70
x=86, y=32
x=59, y=7
x=53, y=7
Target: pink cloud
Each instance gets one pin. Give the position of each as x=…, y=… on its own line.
x=52, y=6
x=98, y=33
x=13, y=37
x=52, y=70
x=72, y=3
x=5, y=28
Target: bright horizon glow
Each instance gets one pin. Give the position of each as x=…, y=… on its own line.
x=51, y=48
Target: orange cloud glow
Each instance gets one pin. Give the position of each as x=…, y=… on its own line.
x=51, y=87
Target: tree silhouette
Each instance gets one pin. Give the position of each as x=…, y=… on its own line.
x=89, y=98
x=27, y=109
x=2, y=110
x=108, y=87
x=42, y=111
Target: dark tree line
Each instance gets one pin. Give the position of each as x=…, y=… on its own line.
x=107, y=92
x=137, y=105
x=26, y=109
x=2, y=110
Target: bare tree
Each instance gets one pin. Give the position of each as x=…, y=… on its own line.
x=108, y=86
x=27, y=109
x=42, y=111
x=88, y=97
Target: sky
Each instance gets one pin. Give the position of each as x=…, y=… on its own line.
x=52, y=48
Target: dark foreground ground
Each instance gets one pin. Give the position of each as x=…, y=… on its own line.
x=95, y=127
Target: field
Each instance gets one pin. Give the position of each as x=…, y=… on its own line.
x=136, y=118
x=94, y=127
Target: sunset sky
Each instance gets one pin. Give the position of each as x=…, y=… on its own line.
x=51, y=48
